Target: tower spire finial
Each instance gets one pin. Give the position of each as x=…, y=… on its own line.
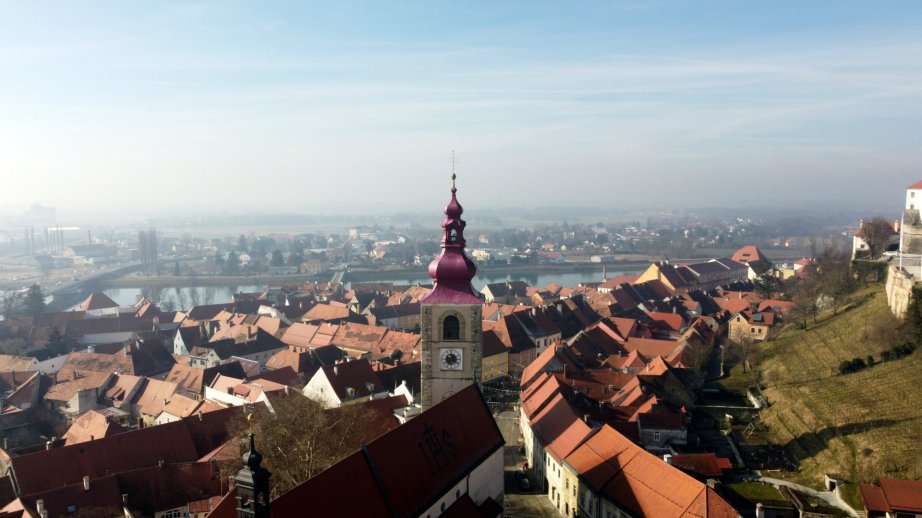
x=454, y=161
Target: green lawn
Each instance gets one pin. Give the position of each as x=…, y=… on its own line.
x=758, y=492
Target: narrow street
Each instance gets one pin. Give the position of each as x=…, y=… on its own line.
x=519, y=503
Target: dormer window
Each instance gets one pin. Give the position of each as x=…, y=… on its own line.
x=451, y=328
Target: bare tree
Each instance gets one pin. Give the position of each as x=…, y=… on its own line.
x=299, y=438
x=168, y=304
x=877, y=234
x=194, y=298
x=9, y=302
x=182, y=299
x=834, y=276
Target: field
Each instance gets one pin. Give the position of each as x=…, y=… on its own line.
x=859, y=426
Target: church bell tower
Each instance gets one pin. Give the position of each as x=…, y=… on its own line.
x=451, y=315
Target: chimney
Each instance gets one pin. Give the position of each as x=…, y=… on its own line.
x=49, y=445
x=86, y=482
x=125, y=499
x=667, y=458
x=40, y=507
x=336, y=370
x=586, y=418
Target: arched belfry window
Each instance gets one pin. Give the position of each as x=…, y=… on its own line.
x=451, y=328
x=453, y=235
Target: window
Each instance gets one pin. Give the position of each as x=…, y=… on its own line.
x=451, y=328
x=655, y=436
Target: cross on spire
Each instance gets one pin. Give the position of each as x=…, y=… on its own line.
x=454, y=162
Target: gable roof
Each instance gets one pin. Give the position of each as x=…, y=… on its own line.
x=90, y=426
x=357, y=375
x=641, y=483
x=9, y=363
x=65, y=390
x=391, y=480
x=97, y=300
x=180, y=441
x=559, y=429
x=893, y=495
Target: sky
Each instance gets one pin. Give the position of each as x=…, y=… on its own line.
x=354, y=107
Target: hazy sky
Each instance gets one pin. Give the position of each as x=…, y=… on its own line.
x=332, y=106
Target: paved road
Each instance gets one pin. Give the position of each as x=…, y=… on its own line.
x=518, y=503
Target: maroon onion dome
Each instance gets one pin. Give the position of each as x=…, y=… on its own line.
x=452, y=270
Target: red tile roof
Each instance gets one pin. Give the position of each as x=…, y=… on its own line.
x=893, y=495
x=559, y=429
x=9, y=362
x=641, y=483
x=90, y=426
x=650, y=347
x=355, y=375
x=399, y=474
x=179, y=441
x=672, y=321
x=749, y=254
x=97, y=300
x=705, y=464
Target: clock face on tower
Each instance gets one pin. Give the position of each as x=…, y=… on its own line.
x=450, y=359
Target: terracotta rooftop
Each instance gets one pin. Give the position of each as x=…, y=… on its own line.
x=393, y=475
x=641, y=483
x=559, y=429
x=9, y=362
x=180, y=441
x=893, y=495
x=66, y=389
x=97, y=300
x=90, y=426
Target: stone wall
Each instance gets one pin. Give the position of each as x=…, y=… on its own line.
x=911, y=232
x=899, y=290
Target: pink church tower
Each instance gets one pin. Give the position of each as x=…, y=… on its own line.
x=451, y=321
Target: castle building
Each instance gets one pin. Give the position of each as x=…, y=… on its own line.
x=450, y=315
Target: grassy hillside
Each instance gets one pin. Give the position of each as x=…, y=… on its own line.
x=859, y=425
